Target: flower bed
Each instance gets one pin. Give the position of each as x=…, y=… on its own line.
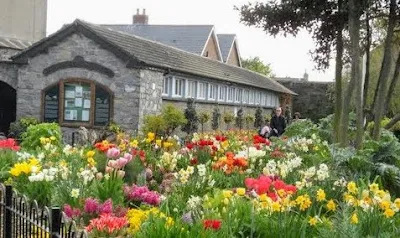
x=235, y=184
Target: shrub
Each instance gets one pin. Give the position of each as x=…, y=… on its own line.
x=173, y=118
x=155, y=124
x=258, y=122
x=19, y=127
x=215, y=119
x=249, y=121
x=239, y=118
x=31, y=138
x=228, y=118
x=204, y=117
x=192, y=120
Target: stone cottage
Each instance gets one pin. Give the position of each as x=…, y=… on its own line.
x=87, y=75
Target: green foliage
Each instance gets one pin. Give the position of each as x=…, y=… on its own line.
x=31, y=138
x=192, y=120
x=258, y=122
x=215, y=119
x=249, y=120
x=106, y=188
x=228, y=118
x=204, y=117
x=239, y=118
x=155, y=124
x=7, y=158
x=173, y=118
x=257, y=65
x=17, y=128
x=114, y=127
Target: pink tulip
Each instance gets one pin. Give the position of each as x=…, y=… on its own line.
x=121, y=162
x=128, y=157
x=112, y=164
x=109, y=169
x=99, y=176
x=113, y=153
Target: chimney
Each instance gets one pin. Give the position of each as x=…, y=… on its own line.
x=140, y=18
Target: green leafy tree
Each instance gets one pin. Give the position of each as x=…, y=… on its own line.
x=173, y=118
x=258, y=122
x=228, y=119
x=192, y=121
x=249, y=120
x=204, y=117
x=216, y=116
x=155, y=124
x=257, y=65
x=239, y=118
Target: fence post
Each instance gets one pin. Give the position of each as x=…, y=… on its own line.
x=7, y=216
x=55, y=222
x=73, y=138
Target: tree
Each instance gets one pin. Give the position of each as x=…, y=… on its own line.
x=204, y=117
x=239, y=118
x=257, y=65
x=192, y=120
x=379, y=106
x=173, y=118
x=155, y=124
x=228, y=119
x=216, y=116
x=258, y=122
x=249, y=120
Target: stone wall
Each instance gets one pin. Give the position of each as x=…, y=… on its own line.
x=124, y=84
x=313, y=100
x=151, y=86
x=223, y=108
x=8, y=74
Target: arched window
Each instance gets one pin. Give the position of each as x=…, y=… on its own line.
x=77, y=102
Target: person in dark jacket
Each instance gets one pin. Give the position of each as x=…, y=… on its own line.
x=278, y=123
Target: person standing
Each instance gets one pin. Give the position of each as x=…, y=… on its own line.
x=278, y=122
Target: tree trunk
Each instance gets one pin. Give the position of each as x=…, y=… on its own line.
x=368, y=61
x=354, y=31
x=338, y=79
x=393, y=83
x=379, y=106
x=392, y=122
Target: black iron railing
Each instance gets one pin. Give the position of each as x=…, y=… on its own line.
x=22, y=218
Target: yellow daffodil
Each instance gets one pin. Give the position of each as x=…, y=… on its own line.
x=276, y=206
x=388, y=213
x=397, y=202
x=331, y=205
x=151, y=136
x=352, y=187
x=384, y=205
x=303, y=201
x=354, y=219
x=321, y=196
x=227, y=194
x=373, y=187
x=52, y=138
x=134, y=143
x=313, y=221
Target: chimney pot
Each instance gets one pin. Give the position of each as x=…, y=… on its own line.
x=144, y=11
x=141, y=18
x=137, y=11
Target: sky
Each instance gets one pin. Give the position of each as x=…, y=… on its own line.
x=288, y=57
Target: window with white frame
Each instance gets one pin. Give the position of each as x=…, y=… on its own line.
x=231, y=94
x=269, y=99
x=251, y=97
x=201, y=90
x=212, y=91
x=190, y=89
x=166, y=86
x=245, y=96
x=263, y=99
x=177, y=87
x=238, y=95
x=257, y=98
x=221, y=93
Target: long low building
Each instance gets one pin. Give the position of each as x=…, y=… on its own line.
x=88, y=75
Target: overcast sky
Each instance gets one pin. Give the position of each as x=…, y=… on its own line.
x=287, y=56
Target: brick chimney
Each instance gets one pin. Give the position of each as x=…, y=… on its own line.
x=140, y=18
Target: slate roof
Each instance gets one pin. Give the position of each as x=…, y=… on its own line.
x=190, y=38
x=225, y=43
x=146, y=53
x=12, y=43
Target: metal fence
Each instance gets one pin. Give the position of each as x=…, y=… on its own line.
x=21, y=218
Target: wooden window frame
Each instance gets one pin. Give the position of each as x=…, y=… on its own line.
x=61, y=102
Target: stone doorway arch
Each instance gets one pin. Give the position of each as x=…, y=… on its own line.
x=8, y=106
